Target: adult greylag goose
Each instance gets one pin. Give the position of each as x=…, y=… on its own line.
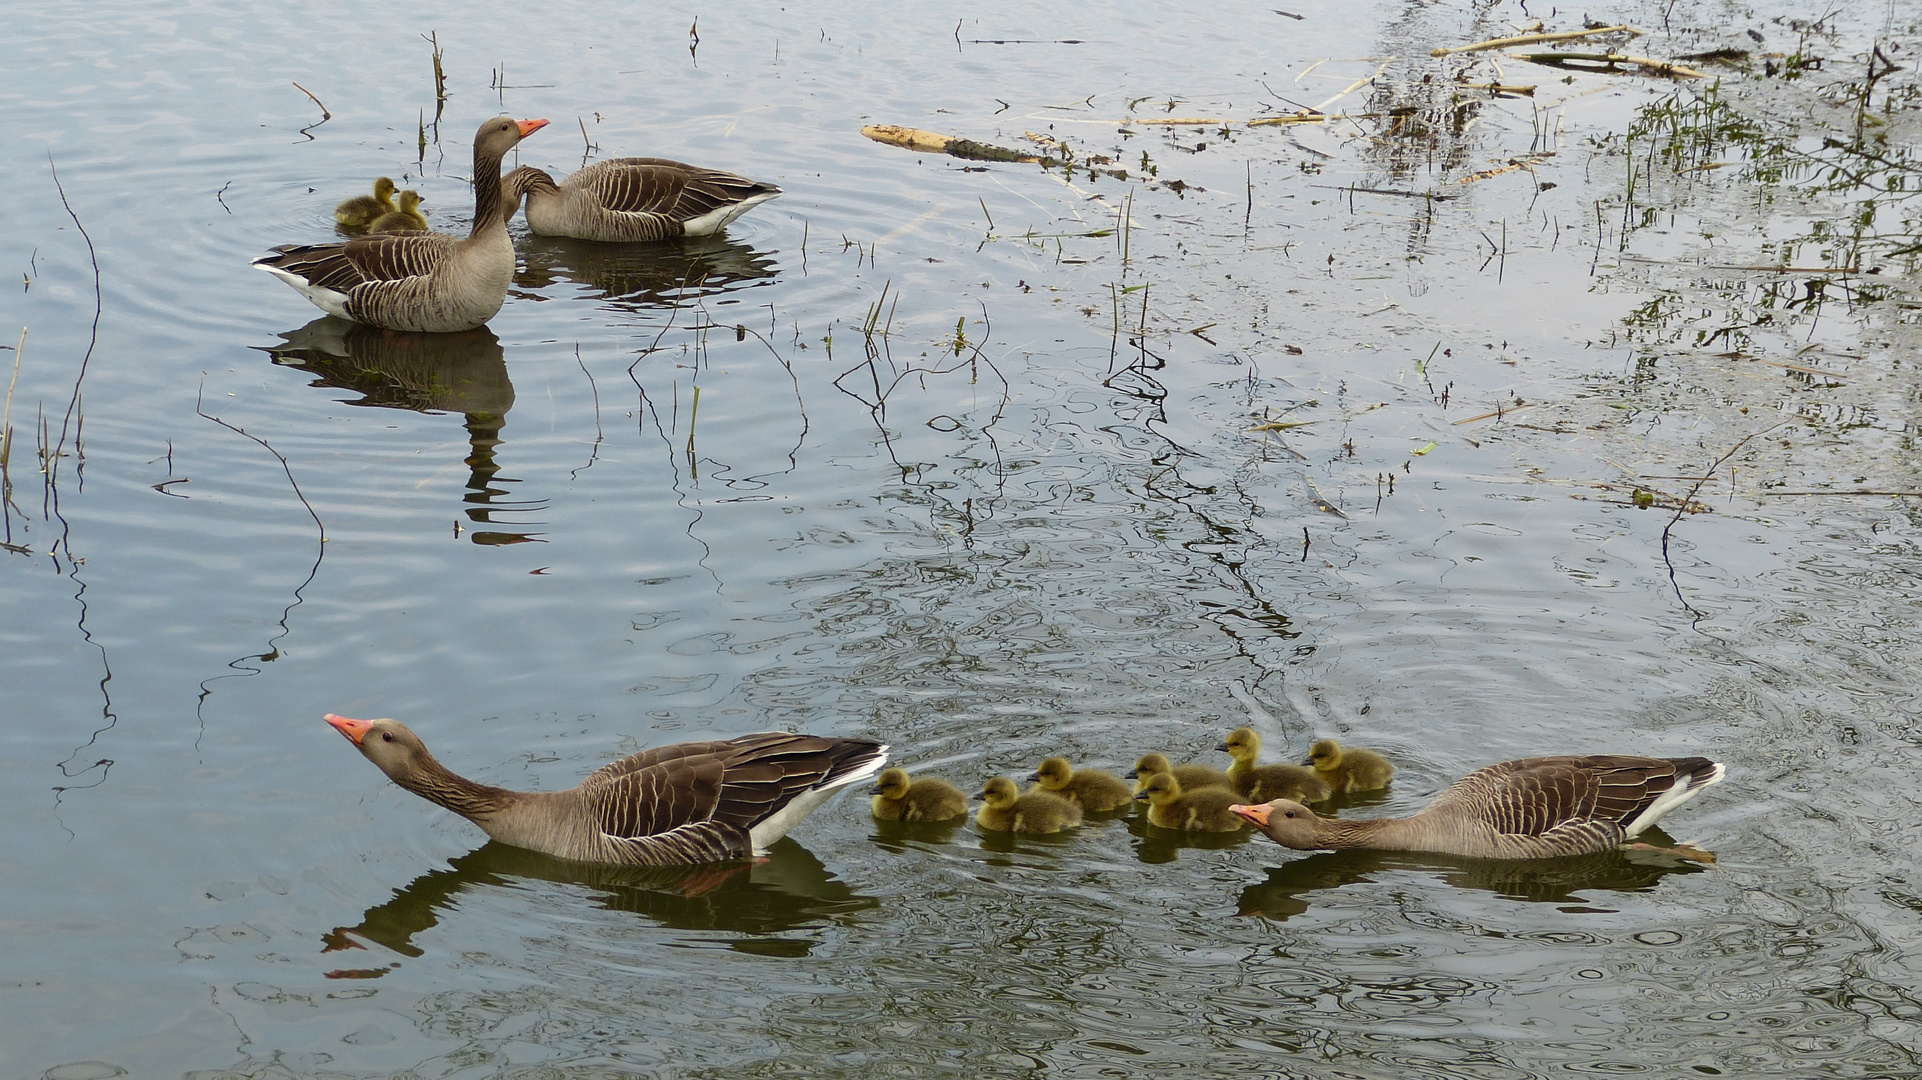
x=1090, y=789
x=406, y=219
x=1262, y=783
x=691, y=802
x=361, y=210
x=930, y=798
x=1208, y=809
x=1349, y=768
x=418, y=281
x=1191, y=777
x=1007, y=810
x=1531, y=808
x=633, y=199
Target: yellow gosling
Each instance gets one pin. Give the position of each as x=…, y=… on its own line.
x=361, y=210
x=1349, y=769
x=927, y=799
x=1265, y=783
x=1202, y=810
x=1090, y=789
x=406, y=219
x=1007, y=810
x=1192, y=777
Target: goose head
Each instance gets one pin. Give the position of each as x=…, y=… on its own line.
x=1286, y=822
x=389, y=744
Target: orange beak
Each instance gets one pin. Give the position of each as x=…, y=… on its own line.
x=1256, y=814
x=355, y=730
x=529, y=127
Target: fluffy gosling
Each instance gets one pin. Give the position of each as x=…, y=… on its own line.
x=1007, y=810
x=1266, y=783
x=1090, y=789
x=927, y=799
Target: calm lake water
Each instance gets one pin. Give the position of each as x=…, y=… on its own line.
x=1031, y=512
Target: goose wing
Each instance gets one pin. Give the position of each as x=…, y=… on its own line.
x=661, y=186
x=365, y=260
x=1537, y=796
x=697, y=802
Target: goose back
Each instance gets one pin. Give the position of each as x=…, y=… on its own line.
x=1539, y=807
x=634, y=199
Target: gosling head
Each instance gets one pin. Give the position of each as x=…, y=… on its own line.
x=1325, y=755
x=999, y=793
x=409, y=201
x=1242, y=744
x=893, y=784
x=1054, y=774
x=383, y=188
x=1161, y=788
x=1149, y=765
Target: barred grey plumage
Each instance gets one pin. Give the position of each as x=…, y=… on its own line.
x=1530, y=808
x=686, y=803
x=624, y=200
x=418, y=280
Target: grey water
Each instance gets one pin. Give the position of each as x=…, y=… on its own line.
x=992, y=462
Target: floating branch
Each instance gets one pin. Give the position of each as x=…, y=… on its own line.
x=1533, y=39
x=324, y=114
x=934, y=143
x=1604, y=63
x=1497, y=88
x=1526, y=161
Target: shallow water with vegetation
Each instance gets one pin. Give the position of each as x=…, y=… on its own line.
x=1462, y=424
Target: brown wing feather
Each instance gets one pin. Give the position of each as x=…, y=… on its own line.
x=737, y=782
x=662, y=186
x=364, y=260
x=1532, y=796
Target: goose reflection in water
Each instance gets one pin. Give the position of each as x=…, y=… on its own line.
x=1287, y=891
x=643, y=276
x=788, y=890
x=462, y=373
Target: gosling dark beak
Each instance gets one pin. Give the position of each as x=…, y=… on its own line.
x=1034, y=778
x=1141, y=796
x=1307, y=761
x=1131, y=774
x=1222, y=747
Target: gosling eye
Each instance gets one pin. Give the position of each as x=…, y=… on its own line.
x=386, y=736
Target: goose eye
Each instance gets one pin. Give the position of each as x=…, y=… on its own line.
x=386, y=736
x=1288, y=813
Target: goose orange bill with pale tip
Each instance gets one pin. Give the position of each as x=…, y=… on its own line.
x=1256, y=814
x=355, y=730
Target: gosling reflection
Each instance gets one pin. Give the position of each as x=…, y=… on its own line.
x=788, y=890
x=1287, y=891
x=462, y=373
x=641, y=276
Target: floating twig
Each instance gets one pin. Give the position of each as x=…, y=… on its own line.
x=1604, y=63
x=1689, y=499
x=1532, y=39
x=324, y=114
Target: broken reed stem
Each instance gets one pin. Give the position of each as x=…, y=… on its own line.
x=1531, y=39
x=1707, y=475
x=93, y=338
x=1608, y=62
x=324, y=114
x=6, y=414
x=693, y=415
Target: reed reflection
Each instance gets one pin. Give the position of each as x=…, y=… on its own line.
x=1288, y=889
x=428, y=373
x=788, y=890
x=644, y=276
